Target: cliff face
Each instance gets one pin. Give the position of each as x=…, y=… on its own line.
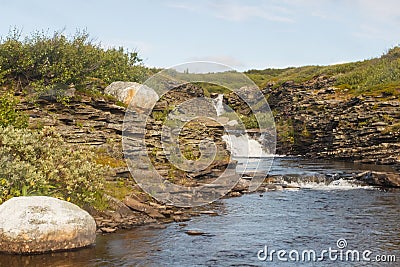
x=97, y=122
x=313, y=119
x=318, y=120
x=189, y=138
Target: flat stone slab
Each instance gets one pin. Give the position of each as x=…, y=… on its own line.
x=194, y=232
x=39, y=224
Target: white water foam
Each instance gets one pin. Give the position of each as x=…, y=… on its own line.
x=219, y=104
x=340, y=184
x=244, y=146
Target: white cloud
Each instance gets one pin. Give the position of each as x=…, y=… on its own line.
x=238, y=11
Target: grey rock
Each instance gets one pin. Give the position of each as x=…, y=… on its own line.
x=39, y=224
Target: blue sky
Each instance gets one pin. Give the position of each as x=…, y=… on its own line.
x=242, y=34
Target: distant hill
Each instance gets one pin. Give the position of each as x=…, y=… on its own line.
x=369, y=77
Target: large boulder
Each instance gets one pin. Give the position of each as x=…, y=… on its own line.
x=143, y=96
x=39, y=224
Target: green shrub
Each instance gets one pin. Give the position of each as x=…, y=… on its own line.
x=285, y=131
x=46, y=62
x=40, y=163
x=249, y=122
x=8, y=113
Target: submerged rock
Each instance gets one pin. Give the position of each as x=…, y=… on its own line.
x=273, y=187
x=39, y=224
x=194, y=232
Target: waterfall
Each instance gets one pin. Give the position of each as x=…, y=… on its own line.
x=240, y=145
x=219, y=105
x=244, y=146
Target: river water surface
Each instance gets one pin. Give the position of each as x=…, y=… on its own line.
x=312, y=218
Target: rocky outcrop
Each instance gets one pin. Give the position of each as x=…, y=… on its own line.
x=189, y=138
x=84, y=120
x=39, y=224
x=318, y=120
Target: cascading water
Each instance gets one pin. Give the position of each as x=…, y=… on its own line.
x=219, y=105
x=244, y=146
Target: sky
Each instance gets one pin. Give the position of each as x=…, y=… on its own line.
x=242, y=34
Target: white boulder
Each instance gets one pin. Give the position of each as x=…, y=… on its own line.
x=142, y=95
x=38, y=224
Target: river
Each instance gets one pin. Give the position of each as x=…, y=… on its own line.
x=318, y=217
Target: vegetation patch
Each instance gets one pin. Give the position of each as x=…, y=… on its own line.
x=40, y=163
x=9, y=115
x=44, y=62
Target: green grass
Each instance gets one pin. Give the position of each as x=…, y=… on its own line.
x=209, y=88
x=118, y=189
x=377, y=76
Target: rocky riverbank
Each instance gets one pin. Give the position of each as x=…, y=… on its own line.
x=313, y=119
x=96, y=121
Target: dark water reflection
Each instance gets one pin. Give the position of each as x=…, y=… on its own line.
x=305, y=219
x=121, y=249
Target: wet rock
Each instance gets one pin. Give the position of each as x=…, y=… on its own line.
x=241, y=186
x=234, y=194
x=167, y=213
x=273, y=187
x=209, y=212
x=138, y=206
x=178, y=218
x=194, y=232
x=39, y=224
x=157, y=226
x=384, y=179
x=290, y=187
x=108, y=230
x=118, y=206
